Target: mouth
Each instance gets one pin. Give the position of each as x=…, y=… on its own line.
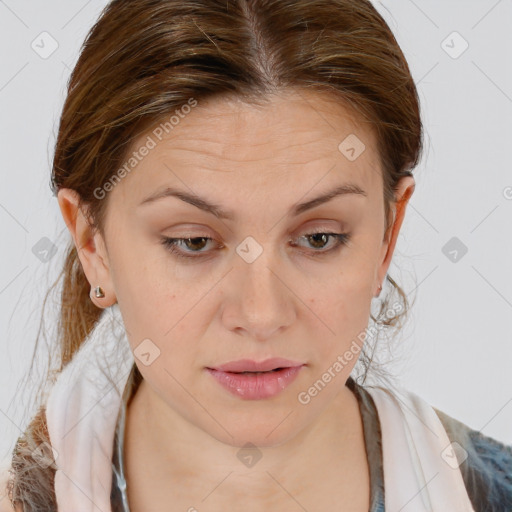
x=251, y=366
x=258, y=373
x=256, y=385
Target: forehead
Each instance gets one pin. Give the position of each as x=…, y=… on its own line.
x=227, y=144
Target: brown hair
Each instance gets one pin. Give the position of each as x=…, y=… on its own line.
x=142, y=60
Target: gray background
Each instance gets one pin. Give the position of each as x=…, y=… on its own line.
x=456, y=349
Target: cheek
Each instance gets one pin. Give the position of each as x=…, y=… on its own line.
x=155, y=305
x=165, y=348
x=161, y=300
x=144, y=279
x=343, y=304
x=345, y=313
x=348, y=285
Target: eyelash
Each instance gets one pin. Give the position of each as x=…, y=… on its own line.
x=170, y=244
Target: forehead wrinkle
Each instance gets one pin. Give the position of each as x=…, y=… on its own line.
x=244, y=125
x=265, y=136
x=213, y=159
x=309, y=114
x=323, y=149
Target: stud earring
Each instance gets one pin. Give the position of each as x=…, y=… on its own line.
x=379, y=290
x=98, y=292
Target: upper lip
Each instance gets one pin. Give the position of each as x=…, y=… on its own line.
x=248, y=365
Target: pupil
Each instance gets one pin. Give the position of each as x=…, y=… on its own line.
x=190, y=241
x=323, y=238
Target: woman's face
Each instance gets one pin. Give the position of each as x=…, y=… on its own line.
x=254, y=281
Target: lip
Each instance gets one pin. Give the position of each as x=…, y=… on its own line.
x=249, y=365
x=256, y=386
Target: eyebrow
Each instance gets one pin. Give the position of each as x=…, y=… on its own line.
x=218, y=211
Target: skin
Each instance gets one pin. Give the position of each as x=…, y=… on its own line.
x=183, y=429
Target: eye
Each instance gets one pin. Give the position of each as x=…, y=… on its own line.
x=320, y=239
x=194, y=244
x=191, y=248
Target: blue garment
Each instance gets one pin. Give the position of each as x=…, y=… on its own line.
x=487, y=471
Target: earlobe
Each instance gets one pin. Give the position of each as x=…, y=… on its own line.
x=91, y=251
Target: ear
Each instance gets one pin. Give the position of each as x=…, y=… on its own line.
x=403, y=193
x=90, y=246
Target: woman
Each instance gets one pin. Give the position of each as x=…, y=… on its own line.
x=234, y=176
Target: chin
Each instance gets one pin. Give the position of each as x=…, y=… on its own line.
x=259, y=429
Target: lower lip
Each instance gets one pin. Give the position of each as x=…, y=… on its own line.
x=255, y=386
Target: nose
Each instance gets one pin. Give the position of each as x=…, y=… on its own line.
x=260, y=302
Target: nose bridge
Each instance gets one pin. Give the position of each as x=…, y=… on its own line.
x=260, y=281
x=264, y=301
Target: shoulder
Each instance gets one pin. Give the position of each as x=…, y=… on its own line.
x=485, y=464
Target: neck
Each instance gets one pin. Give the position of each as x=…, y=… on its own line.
x=161, y=446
